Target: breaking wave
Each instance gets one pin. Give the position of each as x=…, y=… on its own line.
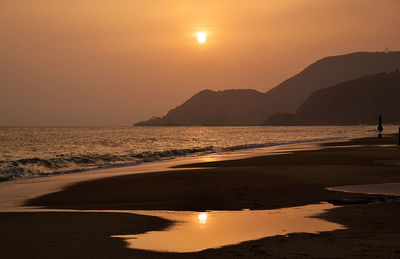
x=60, y=164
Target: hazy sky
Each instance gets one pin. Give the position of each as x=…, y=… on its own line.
x=98, y=62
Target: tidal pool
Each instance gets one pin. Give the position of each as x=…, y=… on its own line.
x=382, y=188
x=196, y=231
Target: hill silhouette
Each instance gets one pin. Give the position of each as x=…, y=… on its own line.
x=250, y=107
x=229, y=107
x=358, y=101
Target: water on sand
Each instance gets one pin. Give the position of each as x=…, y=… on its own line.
x=196, y=231
x=392, y=189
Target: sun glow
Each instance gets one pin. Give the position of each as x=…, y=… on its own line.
x=201, y=37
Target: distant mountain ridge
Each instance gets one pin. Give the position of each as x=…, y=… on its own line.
x=358, y=101
x=229, y=107
x=250, y=107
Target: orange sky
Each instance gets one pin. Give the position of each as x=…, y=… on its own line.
x=97, y=62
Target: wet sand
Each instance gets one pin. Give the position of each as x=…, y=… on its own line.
x=70, y=234
x=268, y=182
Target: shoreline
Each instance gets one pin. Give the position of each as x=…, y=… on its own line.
x=37, y=186
x=238, y=183
x=157, y=157
x=254, y=182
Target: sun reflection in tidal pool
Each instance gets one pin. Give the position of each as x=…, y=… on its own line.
x=203, y=218
x=196, y=231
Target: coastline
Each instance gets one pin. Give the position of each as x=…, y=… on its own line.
x=134, y=159
x=14, y=193
x=255, y=182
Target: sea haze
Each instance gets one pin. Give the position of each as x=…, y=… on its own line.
x=30, y=151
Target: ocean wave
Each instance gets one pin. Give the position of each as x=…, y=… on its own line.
x=61, y=164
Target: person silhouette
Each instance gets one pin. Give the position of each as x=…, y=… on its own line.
x=380, y=127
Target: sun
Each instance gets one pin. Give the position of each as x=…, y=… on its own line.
x=201, y=37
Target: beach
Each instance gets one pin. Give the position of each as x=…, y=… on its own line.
x=282, y=180
x=199, y=129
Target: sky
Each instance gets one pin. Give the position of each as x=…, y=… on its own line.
x=98, y=62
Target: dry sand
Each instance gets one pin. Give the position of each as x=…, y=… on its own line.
x=264, y=182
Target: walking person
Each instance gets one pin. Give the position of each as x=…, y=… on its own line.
x=380, y=127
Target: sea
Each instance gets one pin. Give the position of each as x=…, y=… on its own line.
x=42, y=151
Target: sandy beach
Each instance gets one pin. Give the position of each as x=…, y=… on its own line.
x=260, y=182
